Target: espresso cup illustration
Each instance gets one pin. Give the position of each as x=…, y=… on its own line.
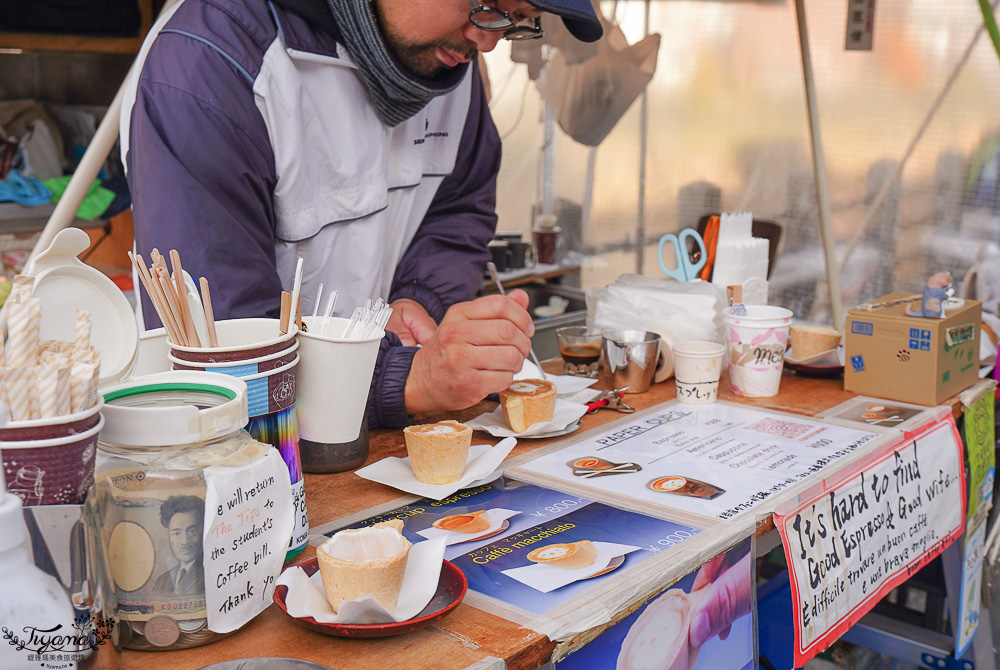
x=685, y=486
x=473, y=522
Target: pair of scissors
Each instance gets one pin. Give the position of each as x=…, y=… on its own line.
x=687, y=269
x=612, y=399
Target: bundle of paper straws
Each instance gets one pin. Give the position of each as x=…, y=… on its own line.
x=44, y=379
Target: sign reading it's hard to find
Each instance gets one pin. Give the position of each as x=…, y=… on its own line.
x=850, y=545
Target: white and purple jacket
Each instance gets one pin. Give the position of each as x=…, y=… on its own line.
x=249, y=141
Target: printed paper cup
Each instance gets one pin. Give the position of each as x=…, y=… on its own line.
x=239, y=340
x=247, y=367
x=271, y=391
x=697, y=368
x=756, y=346
x=52, y=471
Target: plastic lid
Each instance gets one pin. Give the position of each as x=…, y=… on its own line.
x=12, y=528
x=64, y=284
x=173, y=408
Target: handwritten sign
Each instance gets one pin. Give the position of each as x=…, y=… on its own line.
x=847, y=547
x=248, y=521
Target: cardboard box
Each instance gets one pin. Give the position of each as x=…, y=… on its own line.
x=889, y=354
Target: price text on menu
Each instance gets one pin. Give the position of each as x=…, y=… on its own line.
x=849, y=546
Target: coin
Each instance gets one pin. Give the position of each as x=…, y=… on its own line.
x=162, y=631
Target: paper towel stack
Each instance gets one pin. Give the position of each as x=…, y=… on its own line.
x=739, y=255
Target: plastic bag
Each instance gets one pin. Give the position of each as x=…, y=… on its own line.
x=678, y=311
x=589, y=97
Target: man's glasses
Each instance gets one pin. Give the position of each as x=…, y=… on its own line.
x=494, y=19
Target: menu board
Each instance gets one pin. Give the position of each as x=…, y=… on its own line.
x=533, y=547
x=717, y=460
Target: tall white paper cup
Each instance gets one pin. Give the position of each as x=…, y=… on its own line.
x=334, y=376
x=756, y=345
x=697, y=368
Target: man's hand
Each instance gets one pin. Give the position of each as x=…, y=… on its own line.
x=411, y=322
x=476, y=350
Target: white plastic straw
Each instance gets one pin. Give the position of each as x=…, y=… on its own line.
x=319, y=296
x=296, y=290
x=328, y=312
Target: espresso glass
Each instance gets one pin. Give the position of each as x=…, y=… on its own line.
x=580, y=348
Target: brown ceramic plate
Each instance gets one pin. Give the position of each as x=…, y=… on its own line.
x=451, y=589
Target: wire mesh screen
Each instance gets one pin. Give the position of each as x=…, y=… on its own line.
x=911, y=126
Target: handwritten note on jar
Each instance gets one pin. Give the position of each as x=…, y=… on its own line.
x=248, y=521
x=849, y=546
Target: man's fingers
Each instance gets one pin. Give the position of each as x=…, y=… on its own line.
x=501, y=307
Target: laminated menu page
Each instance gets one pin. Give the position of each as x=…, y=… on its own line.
x=533, y=547
x=715, y=460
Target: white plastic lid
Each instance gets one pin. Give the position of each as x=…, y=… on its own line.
x=64, y=284
x=173, y=408
x=12, y=528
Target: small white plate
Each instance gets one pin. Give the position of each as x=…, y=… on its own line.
x=555, y=433
x=493, y=476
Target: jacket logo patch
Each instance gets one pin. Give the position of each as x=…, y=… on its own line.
x=437, y=133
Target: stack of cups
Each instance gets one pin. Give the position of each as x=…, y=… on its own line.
x=756, y=342
x=254, y=351
x=51, y=461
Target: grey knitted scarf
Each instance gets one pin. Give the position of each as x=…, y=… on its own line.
x=396, y=93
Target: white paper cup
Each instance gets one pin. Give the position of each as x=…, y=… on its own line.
x=756, y=345
x=697, y=368
x=333, y=381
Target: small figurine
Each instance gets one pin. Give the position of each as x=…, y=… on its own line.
x=937, y=291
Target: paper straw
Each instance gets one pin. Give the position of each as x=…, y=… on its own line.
x=18, y=383
x=23, y=322
x=82, y=386
x=50, y=403
x=82, y=331
x=21, y=288
x=63, y=400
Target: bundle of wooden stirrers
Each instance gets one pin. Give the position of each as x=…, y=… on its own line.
x=187, y=316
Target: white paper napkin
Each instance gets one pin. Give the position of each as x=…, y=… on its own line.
x=306, y=597
x=565, y=384
x=547, y=578
x=497, y=516
x=566, y=413
x=397, y=473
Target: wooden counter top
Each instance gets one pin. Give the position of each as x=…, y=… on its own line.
x=467, y=636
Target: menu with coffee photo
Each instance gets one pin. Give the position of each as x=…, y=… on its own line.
x=716, y=460
x=530, y=546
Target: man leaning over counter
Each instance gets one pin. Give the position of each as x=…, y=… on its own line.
x=354, y=134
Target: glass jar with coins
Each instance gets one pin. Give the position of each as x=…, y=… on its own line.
x=161, y=433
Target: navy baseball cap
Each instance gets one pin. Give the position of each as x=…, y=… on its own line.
x=578, y=15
